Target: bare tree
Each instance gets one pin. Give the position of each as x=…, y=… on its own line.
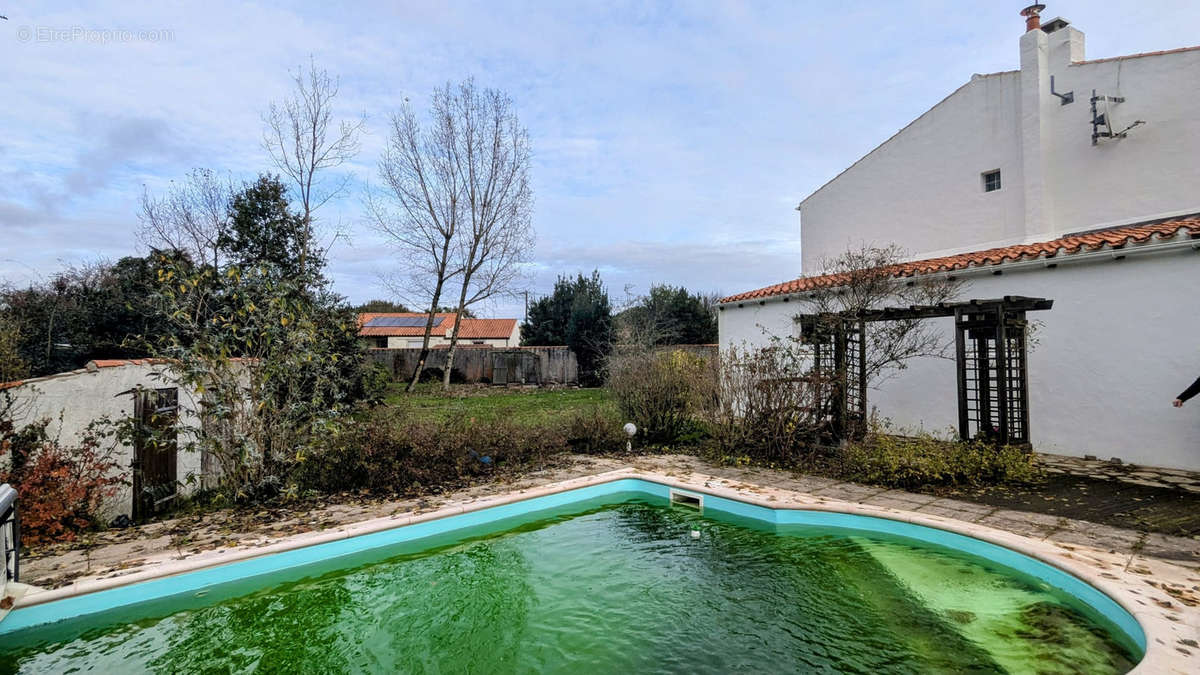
x=190, y=217
x=491, y=150
x=423, y=207
x=303, y=141
x=867, y=278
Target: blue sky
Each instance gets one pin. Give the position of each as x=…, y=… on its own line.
x=672, y=141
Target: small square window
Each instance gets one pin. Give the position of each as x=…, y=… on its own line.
x=991, y=180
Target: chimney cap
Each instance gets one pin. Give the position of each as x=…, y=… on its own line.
x=1032, y=15
x=1055, y=24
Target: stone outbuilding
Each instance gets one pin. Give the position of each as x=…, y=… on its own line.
x=155, y=473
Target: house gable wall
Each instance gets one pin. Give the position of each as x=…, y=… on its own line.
x=932, y=166
x=923, y=189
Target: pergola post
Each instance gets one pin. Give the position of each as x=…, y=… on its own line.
x=1003, y=377
x=990, y=357
x=960, y=365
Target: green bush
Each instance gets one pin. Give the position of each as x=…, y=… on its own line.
x=664, y=393
x=925, y=460
x=388, y=452
x=594, y=432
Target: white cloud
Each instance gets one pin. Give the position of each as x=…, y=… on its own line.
x=672, y=140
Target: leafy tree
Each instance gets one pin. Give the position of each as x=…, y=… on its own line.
x=12, y=366
x=576, y=314
x=467, y=312
x=273, y=350
x=669, y=315
x=89, y=312
x=264, y=231
x=381, y=306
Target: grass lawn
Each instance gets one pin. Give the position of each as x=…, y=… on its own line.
x=521, y=406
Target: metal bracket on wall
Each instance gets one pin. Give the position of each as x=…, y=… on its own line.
x=1065, y=97
x=1102, y=126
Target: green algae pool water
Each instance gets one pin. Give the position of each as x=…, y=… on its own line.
x=638, y=586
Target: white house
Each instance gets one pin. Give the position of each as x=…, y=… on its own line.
x=395, y=330
x=118, y=389
x=1069, y=179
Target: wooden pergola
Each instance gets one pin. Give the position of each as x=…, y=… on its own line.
x=990, y=354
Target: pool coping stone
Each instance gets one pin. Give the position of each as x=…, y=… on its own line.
x=1171, y=626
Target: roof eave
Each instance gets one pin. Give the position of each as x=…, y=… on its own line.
x=1059, y=257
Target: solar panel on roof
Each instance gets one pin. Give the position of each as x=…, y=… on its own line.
x=402, y=322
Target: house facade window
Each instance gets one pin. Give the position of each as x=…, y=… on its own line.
x=381, y=342
x=991, y=180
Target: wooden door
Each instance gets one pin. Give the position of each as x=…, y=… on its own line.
x=499, y=368
x=156, y=450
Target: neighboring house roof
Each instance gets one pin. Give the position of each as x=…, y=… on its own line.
x=487, y=328
x=397, y=331
x=472, y=329
x=1113, y=238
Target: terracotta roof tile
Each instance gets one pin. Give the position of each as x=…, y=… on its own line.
x=471, y=329
x=380, y=331
x=1113, y=238
x=117, y=363
x=1139, y=55
x=496, y=329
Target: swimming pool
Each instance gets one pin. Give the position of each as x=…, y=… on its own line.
x=624, y=575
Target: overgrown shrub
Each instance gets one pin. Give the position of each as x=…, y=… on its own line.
x=389, y=453
x=926, y=460
x=61, y=489
x=665, y=393
x=770, y=405
x=595, y=432
x=437, y=375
